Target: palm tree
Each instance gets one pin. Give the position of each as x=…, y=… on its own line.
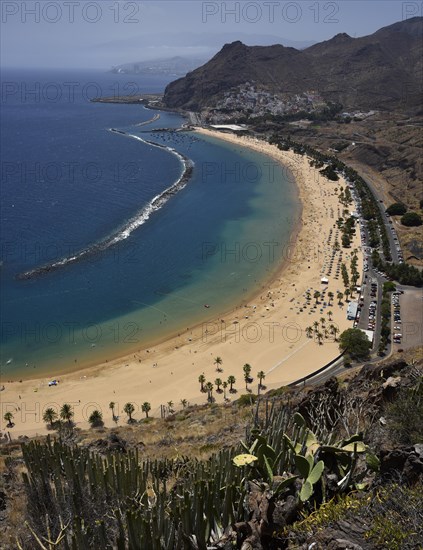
x=50, y=416
x=8, y=416
x=316, y=325
x=347, y=293
x=202, y=380
x=170, y=407
x=129, y=409
x=309, y=332
x=184, y=403
x=331, y=297
x=218, y=383
x=335, y=331
x=339, y=296
x=224, y=386
x=261, y=376
x=209, y=389
x=66, y=413
x=319, y=337
x=330, y=315
x=231, y=382
x=146, y=407
x=112, y=405
x=322, y=321
x=316, y=296
x=96, y=419
x=218, y=362
x=247, y=369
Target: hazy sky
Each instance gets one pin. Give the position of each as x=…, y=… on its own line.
x=99, y=34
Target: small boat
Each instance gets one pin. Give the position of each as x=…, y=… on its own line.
x=206, y=305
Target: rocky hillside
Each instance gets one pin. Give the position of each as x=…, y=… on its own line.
x=330, y=467
x=379, y=71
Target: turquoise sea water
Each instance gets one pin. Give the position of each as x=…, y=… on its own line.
x=68, y=183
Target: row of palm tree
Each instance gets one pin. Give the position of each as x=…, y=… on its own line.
x=129, y=409
x=316, y=296
x=66, y=414
x=222, y=385
x=320, y=335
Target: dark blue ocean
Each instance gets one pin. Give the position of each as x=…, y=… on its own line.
x=68, y=183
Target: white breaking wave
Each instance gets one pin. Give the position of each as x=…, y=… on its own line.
x=133, y=223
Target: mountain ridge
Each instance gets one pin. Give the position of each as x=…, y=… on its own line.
x=382, y=70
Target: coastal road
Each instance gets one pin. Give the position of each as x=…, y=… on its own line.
x=315, y=379
x=387, y=220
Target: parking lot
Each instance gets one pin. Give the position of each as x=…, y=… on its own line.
x=409, y=319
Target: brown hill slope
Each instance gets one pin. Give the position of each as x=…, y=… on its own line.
x=382, y=70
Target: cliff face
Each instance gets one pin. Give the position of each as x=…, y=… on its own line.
x=382, y=70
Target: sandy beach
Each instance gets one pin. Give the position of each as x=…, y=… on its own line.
x=269, y=332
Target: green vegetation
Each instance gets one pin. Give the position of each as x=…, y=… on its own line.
x=405, y=274
x=246, y=399
x=231, y=382
x=146, y=408
x=247, y=374
x=261, y=376
x=84, y=500
x=218, y=361
x=392, y=512
x=129, y=409
x=8, y=417
x=309, y=465
x=96, y=419
x=50, y=416
x=404, y=415
x=345, y=276
x=355, y=343
x=411, y=219
x=112, y=406
x=330, y=172
x=202, y=380
x=396, y=209
x=396, y=517
x=66, y=413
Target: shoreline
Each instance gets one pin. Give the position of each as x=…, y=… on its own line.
x=231, y=335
